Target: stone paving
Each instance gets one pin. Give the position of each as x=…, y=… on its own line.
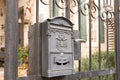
x=1, y=73
x=22, y=73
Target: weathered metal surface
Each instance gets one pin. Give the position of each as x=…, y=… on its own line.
x=68, y=9
x=11, y=40
x=91, y=74
x=91, y=5
x=99, y=44
x=54, y=58
x=33, y=51
x=33, y=77
x=117, y=38
x=77, y=43
x=90, y=37
x=57, y=47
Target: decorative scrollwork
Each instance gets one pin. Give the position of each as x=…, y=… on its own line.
x=75, y=4
x=94, y=9
x=44, y=2
x=106, y=12
x=59, y=6
x=85, y=7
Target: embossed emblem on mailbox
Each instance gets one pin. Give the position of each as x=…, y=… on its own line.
x=61, y=42
x=56, y=47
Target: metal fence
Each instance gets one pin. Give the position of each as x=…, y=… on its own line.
x=104, y=12
x=101, y=11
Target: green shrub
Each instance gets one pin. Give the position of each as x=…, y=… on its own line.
x=95, y=63
x=22, y=55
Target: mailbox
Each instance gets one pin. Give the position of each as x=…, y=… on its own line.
x=57, y=48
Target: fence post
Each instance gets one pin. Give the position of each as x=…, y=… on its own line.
x=33, y=57
x=117, y=38
x=11, y=40
x=33, y=51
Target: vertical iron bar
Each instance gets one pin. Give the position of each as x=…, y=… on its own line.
x=37, y=37
x=117, y=36
x=37, y=12
x=110, y=2
x=90, y=35
x=68, y=9
x=11, y=40
x=79, y=24
x=53, y=8
x=107, y=47
x=106, y=1
x=99, y=43
x=107, y=39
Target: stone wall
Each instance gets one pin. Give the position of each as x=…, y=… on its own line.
x=2, y=23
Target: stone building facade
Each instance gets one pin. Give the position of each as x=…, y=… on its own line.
x=27, y=17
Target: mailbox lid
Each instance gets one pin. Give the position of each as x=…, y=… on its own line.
x=62, y=21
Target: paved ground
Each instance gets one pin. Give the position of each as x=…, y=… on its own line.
x=1, y=73
x=22, y=73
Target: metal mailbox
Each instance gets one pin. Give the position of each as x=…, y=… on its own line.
x=56, y=47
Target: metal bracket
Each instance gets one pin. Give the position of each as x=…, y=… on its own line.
x=77, y=42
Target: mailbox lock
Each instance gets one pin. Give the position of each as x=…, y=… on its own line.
x=61, y=54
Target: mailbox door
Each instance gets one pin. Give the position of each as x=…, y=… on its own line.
x=60, y=47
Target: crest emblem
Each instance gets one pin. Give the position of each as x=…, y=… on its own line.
x=61, y=42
